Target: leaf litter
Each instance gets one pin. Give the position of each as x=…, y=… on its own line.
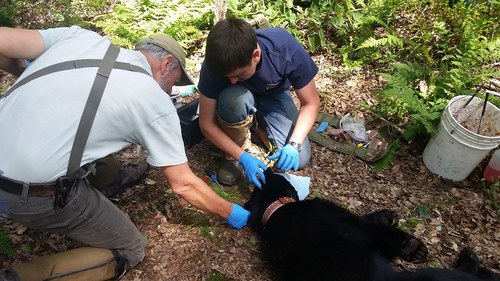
x=186, y=244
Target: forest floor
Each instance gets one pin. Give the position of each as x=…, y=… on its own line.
x=185, y=244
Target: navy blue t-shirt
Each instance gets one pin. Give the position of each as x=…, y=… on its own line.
x=284, y=62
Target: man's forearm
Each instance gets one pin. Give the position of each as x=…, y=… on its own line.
x=196, y=192
x=205, y=199
x=305, y=120
x=309, y=100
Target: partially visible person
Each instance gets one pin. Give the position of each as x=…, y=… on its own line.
x=39, y=122
x=246, y=79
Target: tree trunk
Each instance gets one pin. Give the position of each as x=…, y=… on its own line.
x=220, y=10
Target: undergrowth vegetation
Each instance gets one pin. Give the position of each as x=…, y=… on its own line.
x=131, y=20
x=428, y=51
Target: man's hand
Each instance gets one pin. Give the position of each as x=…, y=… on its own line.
x=238, y=217
x=253, y=167
x=288, y=158
x=12, y=66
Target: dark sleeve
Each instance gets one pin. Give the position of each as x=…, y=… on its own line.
x=302, y=68
x=210, y=85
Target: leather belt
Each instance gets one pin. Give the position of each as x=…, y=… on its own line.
x=35, y=189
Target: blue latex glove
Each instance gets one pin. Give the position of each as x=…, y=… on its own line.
x=238, y=217
x=288, y=158
x=253, y=167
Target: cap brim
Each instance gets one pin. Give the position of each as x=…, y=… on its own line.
x=185, y=79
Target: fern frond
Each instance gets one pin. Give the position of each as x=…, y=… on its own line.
x=349, y=6
x=361, y=3
x=5, y=244
x=424, y=121
x=410, y=71
x=388, y=41
x=369, y=19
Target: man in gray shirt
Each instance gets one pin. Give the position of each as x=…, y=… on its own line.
x=39, y=124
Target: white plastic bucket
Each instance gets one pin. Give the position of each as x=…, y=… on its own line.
x=454, y=151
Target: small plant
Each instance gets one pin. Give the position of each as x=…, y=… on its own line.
x=423, y=211
x=30, y=248
x=386, y=160
x=210, y=232
x=5, y=243
x=492, y=189
x=403, y=97
x=216, y=275
x=434, y=263
x=408, y=224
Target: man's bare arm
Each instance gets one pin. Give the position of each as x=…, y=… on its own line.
x=195, y=191
x=16, y=46
x=309, y=106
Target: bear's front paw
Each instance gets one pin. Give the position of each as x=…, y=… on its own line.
x=414, y=250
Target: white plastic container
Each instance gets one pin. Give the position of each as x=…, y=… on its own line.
x=492, y=170
x=454, y=151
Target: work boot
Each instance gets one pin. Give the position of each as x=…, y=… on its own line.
x=128, y=176
x=80, y=264
x=9, y=274
x=229, y=172
x=239, y=132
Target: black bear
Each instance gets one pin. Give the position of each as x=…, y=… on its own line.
x=319, y=240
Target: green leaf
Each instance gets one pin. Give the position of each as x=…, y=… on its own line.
x=424, y=211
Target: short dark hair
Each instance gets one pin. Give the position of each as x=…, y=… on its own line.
x=230, y=45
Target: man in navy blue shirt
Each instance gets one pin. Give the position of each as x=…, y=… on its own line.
x=246, y=79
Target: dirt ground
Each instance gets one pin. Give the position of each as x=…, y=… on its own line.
x=185, y=244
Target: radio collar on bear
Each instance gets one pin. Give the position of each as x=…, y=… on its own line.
x=275, y=206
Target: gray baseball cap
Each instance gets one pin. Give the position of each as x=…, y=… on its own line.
x=174, y=48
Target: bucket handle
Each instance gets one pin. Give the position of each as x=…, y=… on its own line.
x=457, y=113
x=488, y=92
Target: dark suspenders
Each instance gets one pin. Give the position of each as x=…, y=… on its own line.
x=88, y=115
x=68, y=65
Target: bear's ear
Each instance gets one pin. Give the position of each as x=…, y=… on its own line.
x=278, y=186
x=268, y=173
x=286, y=188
